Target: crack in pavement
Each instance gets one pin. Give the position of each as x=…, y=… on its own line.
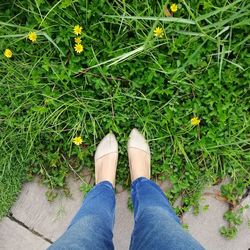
x=11, y=217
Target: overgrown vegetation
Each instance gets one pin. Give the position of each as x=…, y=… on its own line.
x=124, y=78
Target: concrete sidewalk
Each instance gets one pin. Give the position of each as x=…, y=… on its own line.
x=35, y=223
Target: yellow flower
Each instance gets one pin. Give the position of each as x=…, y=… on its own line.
x=78, y=40
x=8, y=53
x=195, y=121
x=174, y=7
x=32, y=36
x=77, y=29
x=78, y=48
x=159, y=32
x=78, y=140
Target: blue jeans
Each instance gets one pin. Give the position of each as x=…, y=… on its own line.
x=156, y=224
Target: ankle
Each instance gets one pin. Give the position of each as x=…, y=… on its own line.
x=105, y=168
x=139, y=162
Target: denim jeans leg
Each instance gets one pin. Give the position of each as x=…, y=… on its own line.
x=92, y=226
x=156, y=224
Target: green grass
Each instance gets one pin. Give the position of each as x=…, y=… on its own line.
x=126, y=78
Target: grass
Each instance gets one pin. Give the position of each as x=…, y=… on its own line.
x=125, y=78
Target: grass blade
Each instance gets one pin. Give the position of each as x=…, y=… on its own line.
x=151, y=18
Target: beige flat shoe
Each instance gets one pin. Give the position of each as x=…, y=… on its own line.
x=139, y=155
x=106, y=157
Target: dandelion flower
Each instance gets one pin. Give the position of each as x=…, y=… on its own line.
x=78, y=48
x=159, y=32
x=195, y=121
x=78, y=30
x=174, y=7
x=32, y=36
x=78, y=40
x=78, y=140
x=8, y=53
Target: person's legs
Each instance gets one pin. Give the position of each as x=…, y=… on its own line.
x=92, y=226
x=156, y=224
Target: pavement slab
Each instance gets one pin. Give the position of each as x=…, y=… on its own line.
x=49, y=219
x=124, y=222
x=205, y=226
x=16, y=237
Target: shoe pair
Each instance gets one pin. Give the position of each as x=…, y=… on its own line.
x=106, y=157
